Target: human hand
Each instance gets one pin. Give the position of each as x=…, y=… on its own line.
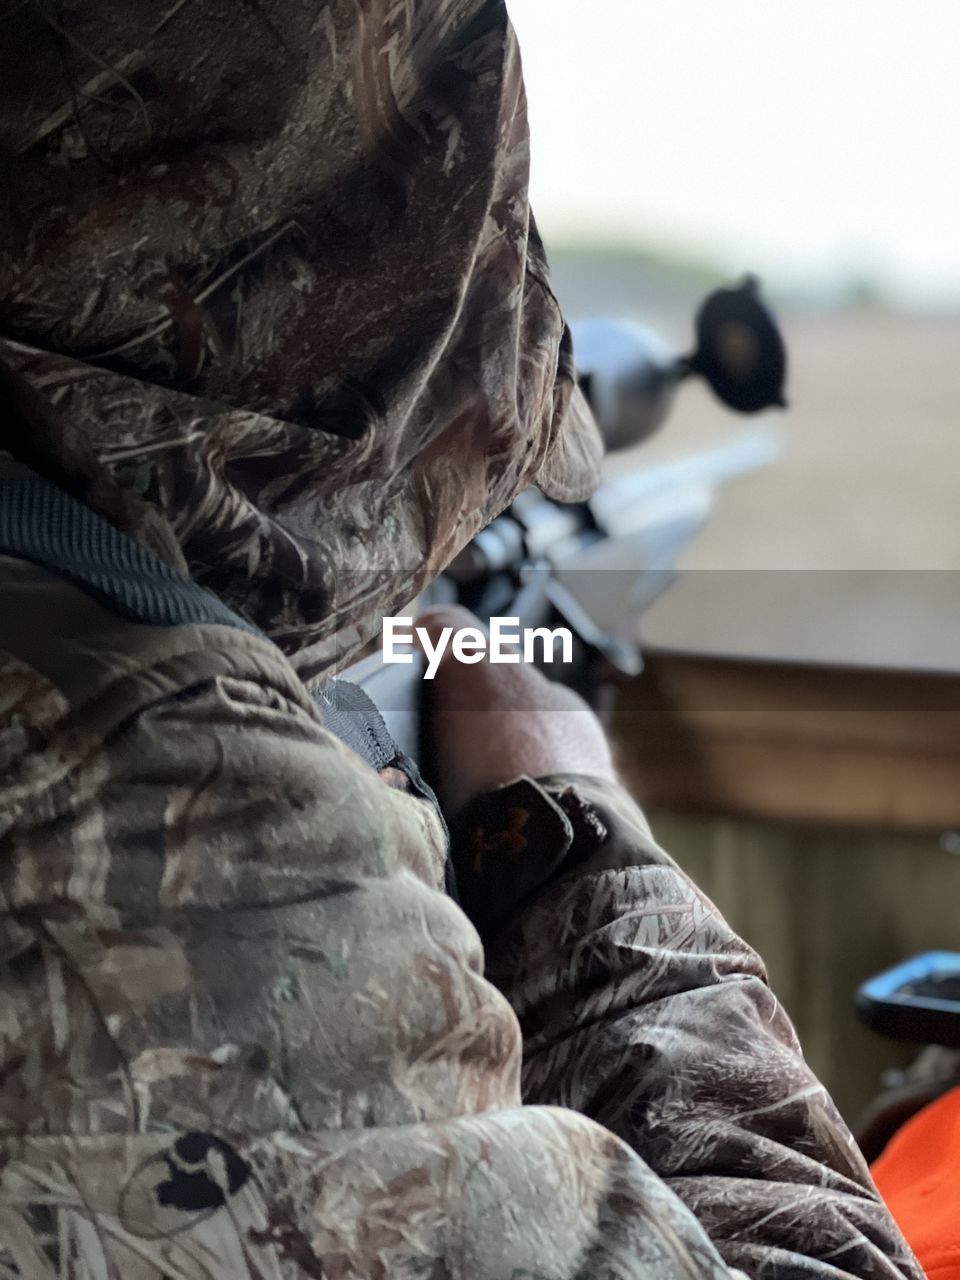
x=489, y=724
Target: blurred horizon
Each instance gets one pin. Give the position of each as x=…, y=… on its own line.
x=810, y=144
x=678, y=145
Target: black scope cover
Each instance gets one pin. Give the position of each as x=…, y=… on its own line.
x=740, y=350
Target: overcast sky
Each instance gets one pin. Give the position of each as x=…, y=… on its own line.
x=803, y=138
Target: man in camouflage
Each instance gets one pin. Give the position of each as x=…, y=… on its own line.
x=276, y=323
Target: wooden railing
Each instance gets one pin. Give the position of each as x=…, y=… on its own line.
x=817, y=807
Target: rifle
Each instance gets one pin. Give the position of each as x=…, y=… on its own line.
x=595, y=566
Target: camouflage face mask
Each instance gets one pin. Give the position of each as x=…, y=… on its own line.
x=273, y=274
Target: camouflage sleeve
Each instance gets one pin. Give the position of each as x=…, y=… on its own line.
x=642, y=1009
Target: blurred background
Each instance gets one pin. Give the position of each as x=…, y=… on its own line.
x=675, y=145
x=797, y=732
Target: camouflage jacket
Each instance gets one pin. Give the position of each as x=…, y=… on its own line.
x=244, y=1034
x=272, y=302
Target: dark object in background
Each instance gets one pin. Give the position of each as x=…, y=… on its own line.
x=918, y=1000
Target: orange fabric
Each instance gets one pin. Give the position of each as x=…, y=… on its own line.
x=919, y=1177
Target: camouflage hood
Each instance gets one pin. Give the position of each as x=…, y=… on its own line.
x=272, y=271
